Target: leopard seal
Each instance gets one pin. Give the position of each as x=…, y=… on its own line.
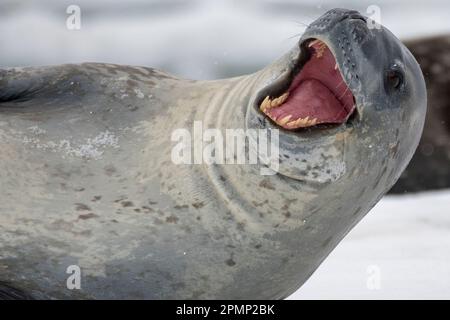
x=89, y=182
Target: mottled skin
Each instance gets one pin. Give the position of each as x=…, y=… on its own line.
x=429, y=168
x=87, y=177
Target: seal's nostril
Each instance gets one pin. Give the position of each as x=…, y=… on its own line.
x=353, y=15
x=364, y=19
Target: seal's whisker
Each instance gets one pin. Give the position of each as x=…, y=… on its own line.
x=295, y=36
x=345, y=92
x=340, y=83
x=302, y=23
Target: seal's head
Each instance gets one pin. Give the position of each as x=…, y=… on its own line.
x=350, y=100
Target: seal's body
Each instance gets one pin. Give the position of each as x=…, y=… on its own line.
x=88, y=178
x=429, y=168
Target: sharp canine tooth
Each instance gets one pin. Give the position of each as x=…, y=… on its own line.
x=305, y=122
x=284, y=120
x=284, y=97
x=265, y=104
x=274, y=103
x=268, y=103
x=320, y=50
x=298, y=122
x=302, y=122
x=313, y=43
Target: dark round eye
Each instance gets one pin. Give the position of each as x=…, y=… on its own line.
x=394, y=79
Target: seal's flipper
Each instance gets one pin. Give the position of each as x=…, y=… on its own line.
x=73, y=85
x=18, y=85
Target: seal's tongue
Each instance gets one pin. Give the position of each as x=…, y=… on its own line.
x=318, y=94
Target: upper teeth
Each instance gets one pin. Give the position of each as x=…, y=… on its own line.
x=269, y=103
x=320, y=49
x=314, y=42
x=299, y=123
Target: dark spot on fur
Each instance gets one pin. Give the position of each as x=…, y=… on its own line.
x=87, y=216
x=147, y=209
x=198, y=205
x=266, y=184
x=132, y=108
x=110, y=170
x=186, y=229
x=96, y=198
x=120, y=199
x=81, y=207
x=172, y=219
x=127, y=204
x=230, y=262
x=357, y=211
x=327, y=242
x=259, y=204
x=241, y=226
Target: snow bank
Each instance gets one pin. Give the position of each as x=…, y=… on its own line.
x=400, y=250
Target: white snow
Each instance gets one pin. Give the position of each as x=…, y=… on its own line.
x=400, y=250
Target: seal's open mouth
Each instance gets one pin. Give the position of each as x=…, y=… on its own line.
x=316, y=95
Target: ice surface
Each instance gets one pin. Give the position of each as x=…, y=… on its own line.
x=400, y=250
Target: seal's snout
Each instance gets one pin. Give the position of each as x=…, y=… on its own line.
x=322, y=86
x=353, y=15
x=334, y=17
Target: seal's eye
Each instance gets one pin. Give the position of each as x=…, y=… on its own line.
x=394, y=79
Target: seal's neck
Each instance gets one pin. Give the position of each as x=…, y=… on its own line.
x=227, y=105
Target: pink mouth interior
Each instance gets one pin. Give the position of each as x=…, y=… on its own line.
x=318, y=92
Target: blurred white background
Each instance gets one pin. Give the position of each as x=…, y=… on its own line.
x=199, y=39
x=400, y=250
